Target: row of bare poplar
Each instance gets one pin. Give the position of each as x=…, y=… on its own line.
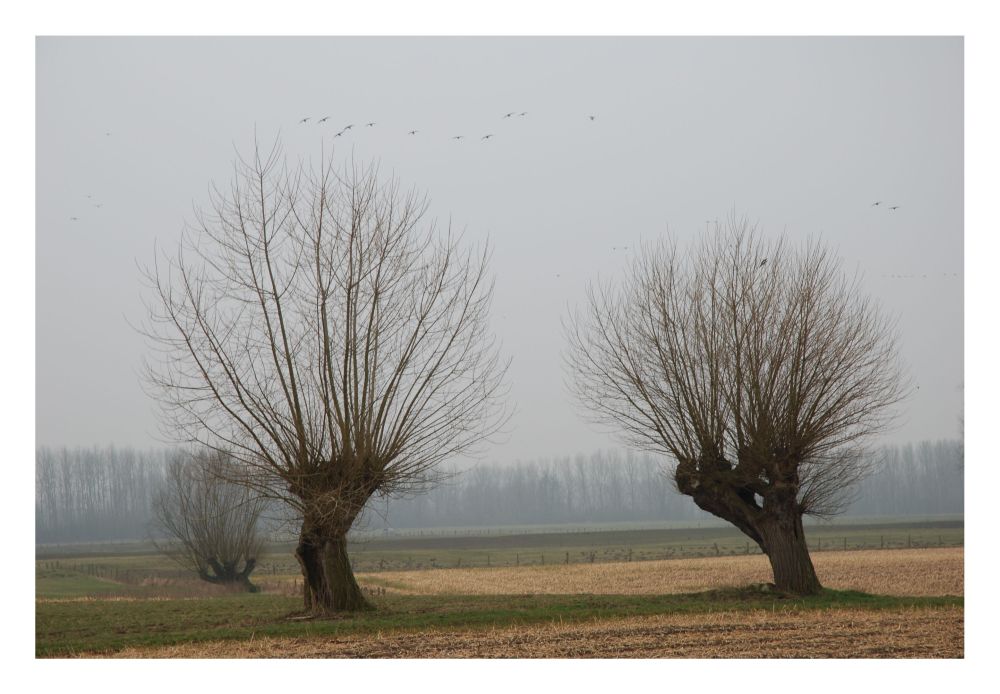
x=108, y=494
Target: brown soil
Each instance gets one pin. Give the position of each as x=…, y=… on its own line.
x=905, y=633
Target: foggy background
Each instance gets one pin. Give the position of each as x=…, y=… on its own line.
x=100, y=494
x=802, y=135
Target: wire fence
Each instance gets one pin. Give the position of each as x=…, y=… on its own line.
x=374, y=561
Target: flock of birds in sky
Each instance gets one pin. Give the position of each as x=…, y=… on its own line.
x=891, y=207
x=97, y=205
x=371, y=124
x=487, y=136
x=521, y=114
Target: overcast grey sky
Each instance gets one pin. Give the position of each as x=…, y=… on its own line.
x=801, y=135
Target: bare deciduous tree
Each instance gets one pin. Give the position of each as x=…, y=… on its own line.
x=761, y=370
x=210, y=522
x=310, y=326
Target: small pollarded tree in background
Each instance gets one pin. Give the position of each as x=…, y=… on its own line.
x=760, y=369
x=207, y=522
x=310, y=325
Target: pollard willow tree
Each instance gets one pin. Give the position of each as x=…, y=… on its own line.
x=760, y=370
x=338, y=347
x=206, y=522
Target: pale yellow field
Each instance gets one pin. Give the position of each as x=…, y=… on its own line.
x=896, y=572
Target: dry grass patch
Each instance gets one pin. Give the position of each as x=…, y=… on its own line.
x=914, y=572
x=852, y=633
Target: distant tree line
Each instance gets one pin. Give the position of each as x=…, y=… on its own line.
x=89, y=494
x=99, y=494
x=926, y=478
x=604, y=487
x=613, y=486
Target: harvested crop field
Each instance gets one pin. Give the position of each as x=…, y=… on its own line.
x=912, y=572
x=904, y=633
x=881, y=604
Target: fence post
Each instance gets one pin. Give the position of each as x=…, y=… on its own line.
x=487, y=560
x=845, y=544
x=567, y=557
x=748, y=547
x=909, y=541
x=881, y=541
x=517, y=559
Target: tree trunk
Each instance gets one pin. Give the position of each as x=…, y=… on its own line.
x=784, y=542
x=328, y=584
x=227, y=575
x=244, y=576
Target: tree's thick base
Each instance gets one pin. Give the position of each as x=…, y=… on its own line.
x=329, y=585
x=231, y=579
x=784, y=543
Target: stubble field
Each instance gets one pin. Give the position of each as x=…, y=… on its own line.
x=917, y=572
x=835, y=633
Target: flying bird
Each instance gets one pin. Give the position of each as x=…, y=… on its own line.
x=100, y=204
x=107, y=133
x=876, y=203
x=74, y=219
x=486, y=137
x=368, y=125
x=512, y=113
x=413, y=132
x=762, y=262
x=894, y=207
x=303, y=120
x=324, y=119
x=591, y=117
x=522, y=113
x=348, y=127
x=339, y=134
x=458, y=137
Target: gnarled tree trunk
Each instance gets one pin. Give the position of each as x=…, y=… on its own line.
x=328, y=580
x=775, y=525
x=227, y=574
x=784, y=543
